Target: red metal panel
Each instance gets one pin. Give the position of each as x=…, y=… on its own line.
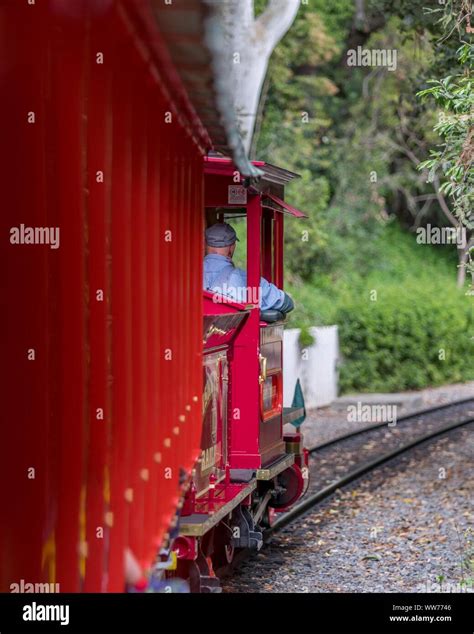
x=170, y=351
x=174, y=252
x=69, y=137
x=138, y=241
x=254, y=221
x=245, y=391
x=99, y=154
x=223, y=166
x=195, y=396
x=24, y=396
x=154, y=272
x=94, y=354
x=285, y=206
x=53, y=389
x=164, y=317
x=122, y=410
x=217, y=191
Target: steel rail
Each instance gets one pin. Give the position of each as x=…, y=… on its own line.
x=311, y=501
x=402, y=419
x=308, y=503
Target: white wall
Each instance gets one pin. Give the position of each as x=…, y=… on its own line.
x=316, y=366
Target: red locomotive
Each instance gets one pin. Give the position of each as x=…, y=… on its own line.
x=247, y=469
x=106, y=411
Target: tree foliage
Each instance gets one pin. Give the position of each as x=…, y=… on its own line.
x=360, y=137
x=454, y=94
x=357, y=134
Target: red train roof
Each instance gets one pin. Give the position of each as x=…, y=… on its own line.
x=226, y=167
x=223, y=166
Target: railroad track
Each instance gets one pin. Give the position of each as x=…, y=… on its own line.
x=315, y=498
x=407, y=417
x=318, y=493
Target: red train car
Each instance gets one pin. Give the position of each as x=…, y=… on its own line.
x=128, y=396
x=102, y=198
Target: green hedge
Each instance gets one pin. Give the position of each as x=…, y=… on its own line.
x=395, y=342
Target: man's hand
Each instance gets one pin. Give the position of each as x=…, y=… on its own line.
x=287, y=305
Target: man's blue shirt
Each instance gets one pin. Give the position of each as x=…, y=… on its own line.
x=221, y=276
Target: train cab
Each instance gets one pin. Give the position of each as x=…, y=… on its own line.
x=248, y=468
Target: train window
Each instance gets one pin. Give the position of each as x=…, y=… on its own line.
x=238, y=219
x=271, y=242
x=267, y=249
x=240, y=254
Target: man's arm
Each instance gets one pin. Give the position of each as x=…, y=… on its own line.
x=287, y=305
x=273, y=297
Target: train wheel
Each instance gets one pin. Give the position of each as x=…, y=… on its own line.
x=224, y=550
x=290, y=485
x=268, y=518
x=199, y=575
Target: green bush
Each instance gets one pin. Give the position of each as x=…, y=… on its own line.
x=409, y=338
x=397, y=341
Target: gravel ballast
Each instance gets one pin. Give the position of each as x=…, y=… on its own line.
x=406, y=527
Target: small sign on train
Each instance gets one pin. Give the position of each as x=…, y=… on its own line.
x=237, y=195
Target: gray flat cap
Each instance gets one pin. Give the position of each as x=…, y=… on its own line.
x=220, y=235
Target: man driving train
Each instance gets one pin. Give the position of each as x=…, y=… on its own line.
x=223, y=277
